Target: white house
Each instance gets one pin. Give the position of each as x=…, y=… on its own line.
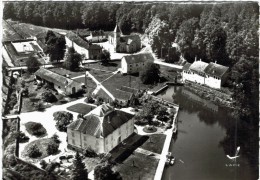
x=61, y=83
x=90, y=51
x=212, y=74
x=186, y=73
x=135, y=63
x=197, y=72
x=102, y=129
x=216, y=75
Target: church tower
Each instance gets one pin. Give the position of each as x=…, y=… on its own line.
x=117, y=34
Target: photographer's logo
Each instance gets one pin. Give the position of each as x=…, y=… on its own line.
x=233, y=159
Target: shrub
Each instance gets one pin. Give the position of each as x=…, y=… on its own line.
x=34, y=151
x=43, y=164
x=9, y=160
x=55, y=138
x=62, y=157
x=90, y=153
x=35, y=129
x=52, y=148
x=49, y=97
x=62, y=119
x=89, y=99
x=141, y=122
x=23, y=138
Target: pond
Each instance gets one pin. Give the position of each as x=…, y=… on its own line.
x=206, y=135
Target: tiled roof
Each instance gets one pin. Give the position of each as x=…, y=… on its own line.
x=214, y=69
x=129, y=38
x=186, y=66
x=128, y=89
x=97, y=33
x=198, y=66
x=98, y=126
x=76, y=39
x=136, y=58
x=53, y=77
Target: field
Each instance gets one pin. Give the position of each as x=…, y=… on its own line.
x=137, y=166
x=155, y=143
x=81, y=108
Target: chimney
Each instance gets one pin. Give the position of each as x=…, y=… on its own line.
x=108, y=119
x=215, y=62
x=195, y=58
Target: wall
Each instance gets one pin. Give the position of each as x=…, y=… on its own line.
x=77, y=48
x=213, y=82
x=88, y=141
x=124, y=131
x=76, y=138
x=124, y=66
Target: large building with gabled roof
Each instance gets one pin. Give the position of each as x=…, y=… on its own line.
x=211, y=74
x=135, y=63
x=124, y=43
x=101, y=129
x=90, y=51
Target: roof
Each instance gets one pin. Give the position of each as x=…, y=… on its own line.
x=54, y=77
x=136, y=58
x=129, y=38
x=186, y=66
x=100, y=126
x=129, y=89
x=198, y=66
x=94, y=46
x=98, y=33
x=78, y=40
x=214, y=69
x=102, y=110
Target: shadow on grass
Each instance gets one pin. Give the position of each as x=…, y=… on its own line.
x=125, y=149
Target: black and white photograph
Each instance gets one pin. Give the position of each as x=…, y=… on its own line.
x=129, y=90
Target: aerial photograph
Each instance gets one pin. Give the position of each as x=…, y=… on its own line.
x=129, y=90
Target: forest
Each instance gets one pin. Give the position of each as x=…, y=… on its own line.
x=226, y=33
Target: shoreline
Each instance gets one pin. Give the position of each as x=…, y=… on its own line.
x=166, y=146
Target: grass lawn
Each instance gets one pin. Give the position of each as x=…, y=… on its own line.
x=90, y=84
x=155, y=143
x=65, y=72
x=42, y=145
x=144, y=167
x=81, y=108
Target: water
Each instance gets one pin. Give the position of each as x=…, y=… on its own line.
x=206, y=134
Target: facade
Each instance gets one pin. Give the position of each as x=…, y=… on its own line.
x=135, y=63
x=216, y=75
x=62, y=84
x=124, y=43
x=90, y=51
x=212, y=74
x=96, y=36
x=101, y=130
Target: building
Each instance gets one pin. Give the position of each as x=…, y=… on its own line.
x=62, y=84
x=96, y=36
x=124, y=43
x=213, y=75
x=216, y=75
x=101, y=130
x=90, y=51
x=135, y=63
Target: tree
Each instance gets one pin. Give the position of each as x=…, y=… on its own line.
x=34, y=151
x=150, y=73
x=62, y=119
x=32, y=64
x=105, y=56
x=105, y=172
x=72, y=59
x=55, y=46
x=79, y=171
x=52, y=148
x=48, y=97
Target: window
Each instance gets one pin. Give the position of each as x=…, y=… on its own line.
x=72, y=134
x=106, y=141
x=85, y=138
x=119, y=131
x=73, y=141
x=85, y=144
x=59, y=87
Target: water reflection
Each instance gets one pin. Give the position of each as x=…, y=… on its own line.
x=209, y=133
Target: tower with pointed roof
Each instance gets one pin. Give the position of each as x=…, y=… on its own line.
x=117, y=34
